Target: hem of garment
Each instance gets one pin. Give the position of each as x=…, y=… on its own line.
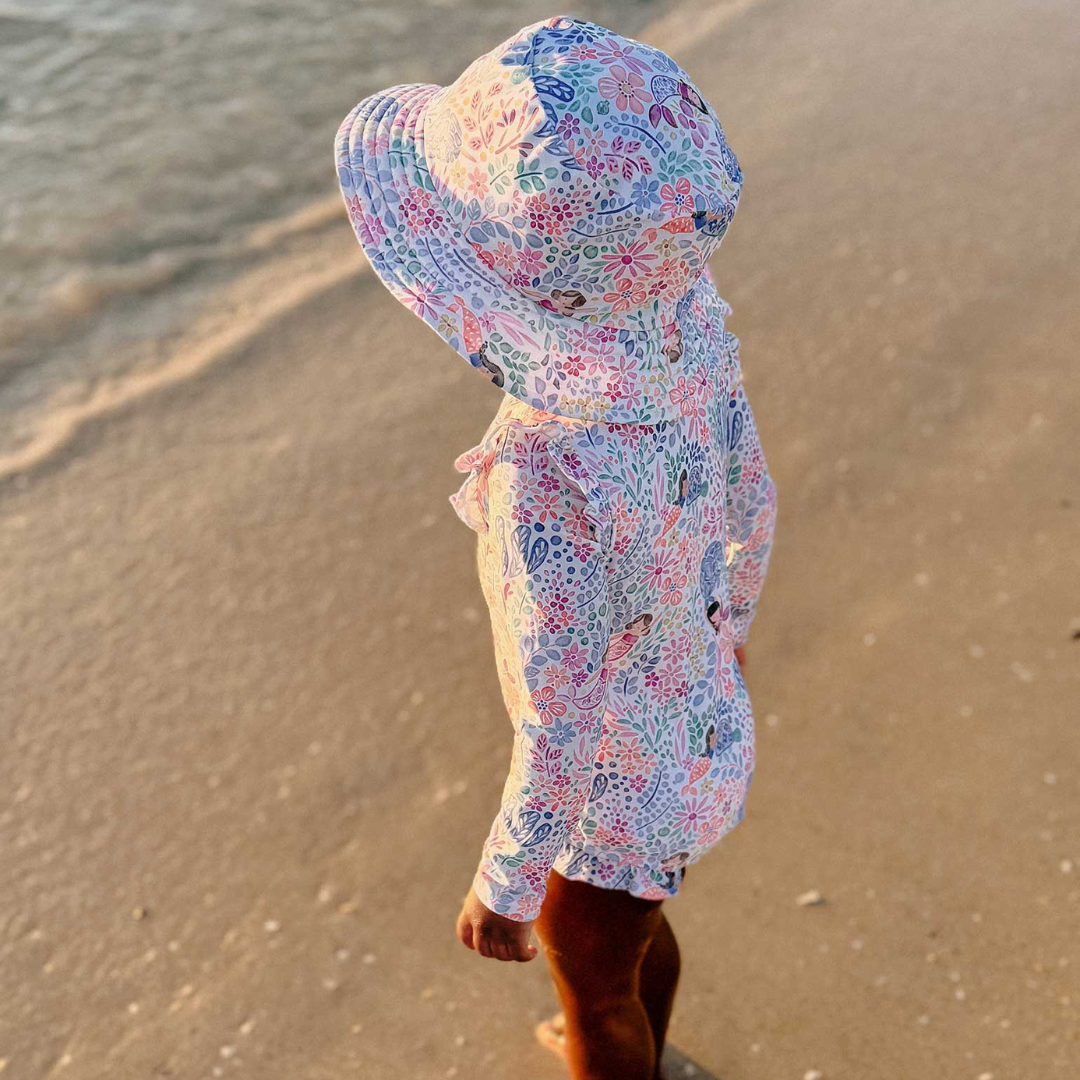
x=644, y=882
x=576, y=864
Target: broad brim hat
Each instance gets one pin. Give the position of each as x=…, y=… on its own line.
x=550, y=214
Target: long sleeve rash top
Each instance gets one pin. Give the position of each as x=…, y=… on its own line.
x=621, y=565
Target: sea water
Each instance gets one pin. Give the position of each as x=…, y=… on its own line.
x=154, y=150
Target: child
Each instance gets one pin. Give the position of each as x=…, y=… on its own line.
x=551, y=215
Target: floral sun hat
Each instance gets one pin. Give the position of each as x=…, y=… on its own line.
x=550, y=215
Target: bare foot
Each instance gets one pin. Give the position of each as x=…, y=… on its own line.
x=552, y=1034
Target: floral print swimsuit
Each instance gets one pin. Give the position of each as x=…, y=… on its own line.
x=621, y=565
x=551, y=215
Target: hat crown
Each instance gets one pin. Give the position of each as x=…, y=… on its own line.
x=585, y=169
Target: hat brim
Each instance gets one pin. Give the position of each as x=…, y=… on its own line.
x=557, y=363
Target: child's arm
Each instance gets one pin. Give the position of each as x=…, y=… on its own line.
x=751, y=508
x=551, y=628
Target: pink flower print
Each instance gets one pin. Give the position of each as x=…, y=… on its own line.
x=504, y=255
x=623, y=367
x=373, y=230
x=572, y=365
x=704, y=383
x=599, y=357
x=625, y=88
x=558, y=614
x=569, y=126
x=420, y=212
x=558, y=678
x=423, y=299
x=549, y=504
x=612, y=52
x=605, y=871
x=593, y=165
x=546, y=705
x=676, y=648
x=558, y=790
x=582, y=554
x=629, y=755
x=530, y=262
x=689, y=120
x=533, y=875
x=547, y=482
x=535, y=801
x=477, y=182
x=625, y=389
x=529, y=905
x=620, y=508
x=584, y=51
x=614, y=834
x=356, y=209
x=632, y=259
x=628, y=294
x=725, y=645
x=590, y=151
x=660, y=285
x=621, y=830
x=574, y=656
x=673, y=588
x=573, y=463
x=676, y=271
x=693, y=815
x=682, y=394
x=655, y=571
x=679, y=199
x=566, y=210
x=669, y=677
x=545, y=217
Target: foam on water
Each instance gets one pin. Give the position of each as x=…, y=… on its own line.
x=157, y=153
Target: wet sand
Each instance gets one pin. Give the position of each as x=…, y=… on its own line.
x=253, y=734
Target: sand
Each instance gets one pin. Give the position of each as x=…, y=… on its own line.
x=252, y=730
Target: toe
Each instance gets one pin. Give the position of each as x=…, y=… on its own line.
x=551, y=1036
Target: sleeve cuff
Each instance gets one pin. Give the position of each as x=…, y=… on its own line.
x=509, y=901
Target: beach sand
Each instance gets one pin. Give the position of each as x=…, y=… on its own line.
x=253, y=737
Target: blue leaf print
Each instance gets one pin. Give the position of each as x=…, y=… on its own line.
x=736, y=429
x=537, y=555
x=549, y=86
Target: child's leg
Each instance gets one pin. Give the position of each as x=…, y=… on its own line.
x=657, y=983
x=595, y=941
x=659, y=978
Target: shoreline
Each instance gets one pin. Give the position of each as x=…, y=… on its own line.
x=316, y=242
x=97, y=333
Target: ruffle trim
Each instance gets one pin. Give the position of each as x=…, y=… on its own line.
x=572, y=459
x=470, y=499
x=567, y=445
